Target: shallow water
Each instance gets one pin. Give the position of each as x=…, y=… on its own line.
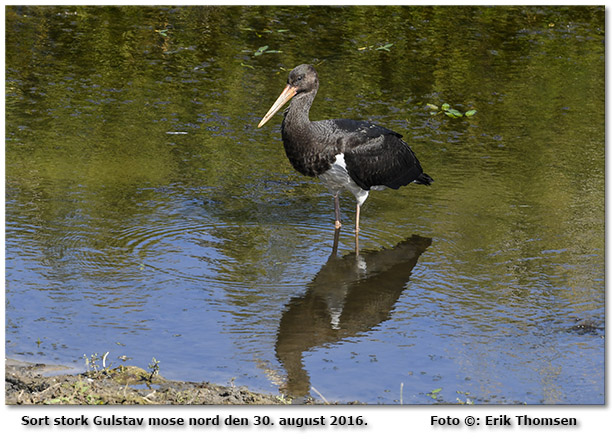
x=147, y=216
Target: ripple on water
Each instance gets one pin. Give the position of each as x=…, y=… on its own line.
x=231, y=256
x=222, y=255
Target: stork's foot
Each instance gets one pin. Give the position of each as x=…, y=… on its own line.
x=337, y=224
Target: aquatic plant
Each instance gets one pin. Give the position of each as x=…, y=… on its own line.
x=385, y=47
x=448, y=111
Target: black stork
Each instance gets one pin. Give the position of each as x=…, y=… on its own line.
x=343, y=153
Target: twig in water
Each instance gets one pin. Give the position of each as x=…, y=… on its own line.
x=49, y=388
x=320, y=395
x=104, y=360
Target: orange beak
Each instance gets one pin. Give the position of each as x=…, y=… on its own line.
x=287, y=93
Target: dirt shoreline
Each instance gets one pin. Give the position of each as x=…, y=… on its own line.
x=29, y=383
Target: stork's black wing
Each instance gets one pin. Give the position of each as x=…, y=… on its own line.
x=377, y=156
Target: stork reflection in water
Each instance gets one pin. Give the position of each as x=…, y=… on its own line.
x=350, y=295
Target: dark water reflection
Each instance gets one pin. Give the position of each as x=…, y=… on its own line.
x=350, y=295
x=148, y=217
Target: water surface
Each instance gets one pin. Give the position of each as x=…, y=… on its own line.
x=147, y=216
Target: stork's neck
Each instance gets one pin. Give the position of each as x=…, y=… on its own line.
x=301, y=139
x=297, y=115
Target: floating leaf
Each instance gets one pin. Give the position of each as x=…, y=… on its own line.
x=448, y=111
x=385, y=47
x=247, y=65
x=282, y=30
x=264, y=49
x=260, y=51
x=455, y=113
x=434, y=393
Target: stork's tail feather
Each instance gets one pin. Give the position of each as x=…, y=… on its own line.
x=424, y=179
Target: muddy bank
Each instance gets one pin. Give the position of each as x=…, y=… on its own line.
x=28, y=383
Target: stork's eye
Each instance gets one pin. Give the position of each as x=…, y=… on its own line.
x=300, y=78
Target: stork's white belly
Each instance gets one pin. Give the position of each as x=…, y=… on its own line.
x=337, y=178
